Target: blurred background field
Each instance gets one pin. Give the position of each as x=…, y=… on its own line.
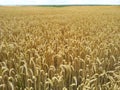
x=65, y=48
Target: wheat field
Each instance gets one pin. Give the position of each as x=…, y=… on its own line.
x=60, y=48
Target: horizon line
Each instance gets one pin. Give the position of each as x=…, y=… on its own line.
x=64, y=5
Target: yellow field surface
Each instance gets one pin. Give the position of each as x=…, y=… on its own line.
x=60, y=48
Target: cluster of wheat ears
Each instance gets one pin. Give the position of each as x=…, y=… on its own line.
x=64, y=48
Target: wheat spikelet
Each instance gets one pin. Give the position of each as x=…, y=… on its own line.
x=45, y=67
x=74, y=80
x=51, y=72
x=80, y=87
x=48, y=84
x=2, y=86
x=73, y=87
x=35, y=84
x=64, y=88
x=61, y=82
x=11, y=86
x=5, y=71
x=5, y=78
x=57, y=59
x=31, y=72
x=29, y=82
x=12, y=72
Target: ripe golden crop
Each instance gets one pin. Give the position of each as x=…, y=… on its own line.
x=60, y=48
